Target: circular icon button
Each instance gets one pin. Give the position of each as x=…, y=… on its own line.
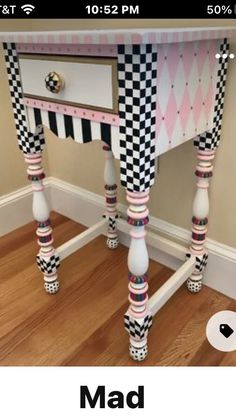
x=221, y=331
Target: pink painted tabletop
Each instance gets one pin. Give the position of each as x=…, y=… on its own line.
x=121, y=36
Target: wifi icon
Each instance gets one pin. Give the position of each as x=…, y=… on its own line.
x=27, y=8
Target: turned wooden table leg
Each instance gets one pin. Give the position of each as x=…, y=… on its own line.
x=200, y=218
x=32, y=144
x=137, y=78
x=47, y=259
x=206, y=145
x=138, y=319
x=111, y=198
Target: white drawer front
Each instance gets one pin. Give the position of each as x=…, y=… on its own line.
x=89, y=82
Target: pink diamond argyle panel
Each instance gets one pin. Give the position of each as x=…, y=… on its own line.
x=186, y=80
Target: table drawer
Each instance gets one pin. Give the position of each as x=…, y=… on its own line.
x=86, y=82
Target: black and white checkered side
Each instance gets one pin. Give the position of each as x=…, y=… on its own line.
x=137, y=74
x=209, y=140
x=34, y=143
x=201, y=262
x=136, y=329
x=28, y=142
x=112, y=223
x=48, y=265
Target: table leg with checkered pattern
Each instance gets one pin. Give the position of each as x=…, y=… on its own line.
x=32, y=144
x=138, y=318
x=137, y=74
x=206, y=145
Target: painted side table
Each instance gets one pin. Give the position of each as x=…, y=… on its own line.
x=142, y=92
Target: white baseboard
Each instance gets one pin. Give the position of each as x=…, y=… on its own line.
x=87, y=208
x=16, y=208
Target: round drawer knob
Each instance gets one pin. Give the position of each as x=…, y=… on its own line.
x=54, y=82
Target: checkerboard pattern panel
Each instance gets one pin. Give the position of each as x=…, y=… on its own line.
x=136, y=329
x=34, y=142
x=28, y=143
x=201, y=262
x=112, y=223
x=137, y=74
x=48, y=265
x=210, y=139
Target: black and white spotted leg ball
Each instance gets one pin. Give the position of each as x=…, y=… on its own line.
x=51, y=287
x=194, y=286
x=138, y=354
x=112, y=243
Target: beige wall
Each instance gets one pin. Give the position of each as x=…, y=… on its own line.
x=82, y=165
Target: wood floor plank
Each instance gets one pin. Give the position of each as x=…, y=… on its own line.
x=75, y=279
x=83, y=323
x=229, y=359
x=209, y=356
x=193, y=335
x=21, y=282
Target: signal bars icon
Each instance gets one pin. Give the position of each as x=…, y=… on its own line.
x=27, y=8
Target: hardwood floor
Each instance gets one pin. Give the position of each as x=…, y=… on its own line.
x=83, y=323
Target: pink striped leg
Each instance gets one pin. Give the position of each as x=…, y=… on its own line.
x=200, y=219
x=138, y=319
x=47, y=259
x=111, y=198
